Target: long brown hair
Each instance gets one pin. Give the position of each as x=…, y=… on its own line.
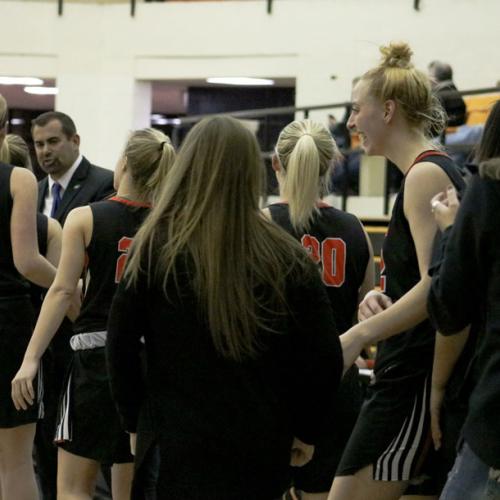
x=208, y=211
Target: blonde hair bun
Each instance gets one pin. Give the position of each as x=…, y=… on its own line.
x=396, y=55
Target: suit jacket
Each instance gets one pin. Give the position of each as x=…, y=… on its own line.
x=89, y=183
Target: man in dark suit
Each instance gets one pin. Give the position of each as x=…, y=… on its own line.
x=72, y=181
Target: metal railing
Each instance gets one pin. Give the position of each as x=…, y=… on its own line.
x=265, y=113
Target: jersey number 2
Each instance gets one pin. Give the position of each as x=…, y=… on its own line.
x=332, y=255
x=123, y=246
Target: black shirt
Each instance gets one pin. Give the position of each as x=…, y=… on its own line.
x=466, y=286
x=337, y=243
x=115, y=222
x=400, y=273
x=225, y=428
x=11, y=282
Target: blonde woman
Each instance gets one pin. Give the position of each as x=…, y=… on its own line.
x=96, y=240
x=229, y=305
x=16, y=152
x=394, y=112
x=19, y=260
x=335, y=240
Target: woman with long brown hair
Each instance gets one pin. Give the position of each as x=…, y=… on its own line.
x=229, y=306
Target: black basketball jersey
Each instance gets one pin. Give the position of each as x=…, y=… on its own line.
x=42, y=232
x=115, y=222
x=11, y=282
x=400, y=272
x=337, y=243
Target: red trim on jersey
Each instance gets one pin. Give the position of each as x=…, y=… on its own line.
x=422, y=156
x=129, y=203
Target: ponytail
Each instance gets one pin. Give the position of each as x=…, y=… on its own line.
x=150, y=155
x=306, y=151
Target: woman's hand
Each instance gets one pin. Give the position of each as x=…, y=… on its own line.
x=445, y=206
x=23, y=394
x=373, y=303
x=301, y=454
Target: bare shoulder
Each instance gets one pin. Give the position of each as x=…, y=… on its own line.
x=21, y=180
x=426, y=176
x=79, y=218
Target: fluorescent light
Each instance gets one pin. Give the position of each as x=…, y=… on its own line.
x=20, y=80
x=160, y=121
x=157, y=119
x=238, y=80
x=16, y=121
x=41, y=90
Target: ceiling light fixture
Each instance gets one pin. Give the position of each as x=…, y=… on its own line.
x=41, y=90
x=20, y=80
x=238, y=80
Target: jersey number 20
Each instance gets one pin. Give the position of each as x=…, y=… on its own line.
x=331, y=253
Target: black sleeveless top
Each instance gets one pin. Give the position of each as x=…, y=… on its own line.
x=337, y=243
x=12, y=284
x=400, y=272
x=42, y=232
x=115, y=222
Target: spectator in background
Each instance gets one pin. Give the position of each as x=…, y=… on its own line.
x=441, y=75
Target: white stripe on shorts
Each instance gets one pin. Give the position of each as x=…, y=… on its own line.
x=397, y=461
x=63, y=429
x=39, y=395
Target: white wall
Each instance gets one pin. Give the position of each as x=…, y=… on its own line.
x=98, y=53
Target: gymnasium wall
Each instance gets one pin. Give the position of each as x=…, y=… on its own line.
x=103, y=59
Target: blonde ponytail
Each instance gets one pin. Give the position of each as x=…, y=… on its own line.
x=149, y=155
x=306, y=151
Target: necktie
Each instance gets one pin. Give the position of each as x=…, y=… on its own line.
x=56, y=198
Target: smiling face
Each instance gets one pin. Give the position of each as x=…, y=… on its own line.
x=54, y=150
x=369, y=119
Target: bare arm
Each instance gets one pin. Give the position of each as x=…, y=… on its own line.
x=76, y=233
x=422, y=184
x=25, y=252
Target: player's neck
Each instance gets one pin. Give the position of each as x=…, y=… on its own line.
x=127, y=190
